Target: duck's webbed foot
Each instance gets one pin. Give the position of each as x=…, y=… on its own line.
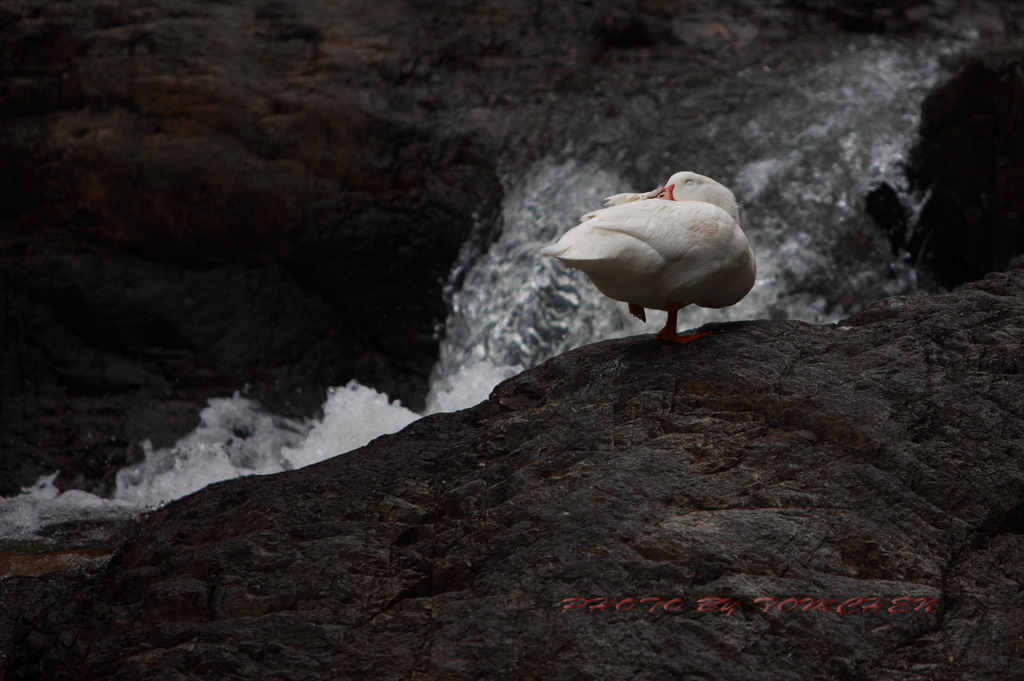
x=669, y=332
x=671, y=335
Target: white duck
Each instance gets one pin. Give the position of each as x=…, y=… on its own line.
x=678, y=245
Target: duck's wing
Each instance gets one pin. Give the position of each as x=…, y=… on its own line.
x=619, y=199
x=670, y=228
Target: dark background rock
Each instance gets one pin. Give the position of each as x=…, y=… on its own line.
x=315, y=163
x=969, y=163
x=196, y=199
x=883, y=456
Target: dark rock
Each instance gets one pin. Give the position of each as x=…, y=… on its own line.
x=969, y=163
x=189, y=196
x=881, y=457
x=885, y=205
x=918, y=17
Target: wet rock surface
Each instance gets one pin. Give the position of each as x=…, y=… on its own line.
x=880, y=457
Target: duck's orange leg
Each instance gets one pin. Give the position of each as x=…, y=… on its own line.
x=638, y=312
x=669, y=332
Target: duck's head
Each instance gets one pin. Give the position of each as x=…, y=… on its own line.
x=689, y=186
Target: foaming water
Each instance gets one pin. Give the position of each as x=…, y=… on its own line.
x=353, y=416
x=471, y=385
x=798, y=148
x=42, y=506
x=235, y=437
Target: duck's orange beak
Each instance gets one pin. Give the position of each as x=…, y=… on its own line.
x=667, y=193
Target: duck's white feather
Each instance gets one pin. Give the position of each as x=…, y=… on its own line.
x=619, y=199
x=654, y=252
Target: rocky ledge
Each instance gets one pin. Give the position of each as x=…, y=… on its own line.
x=877, y=459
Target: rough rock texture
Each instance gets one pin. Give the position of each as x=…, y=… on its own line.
x=969, y=164
x=882, y=457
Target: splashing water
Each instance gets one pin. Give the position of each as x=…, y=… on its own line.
x=235, y=437
x=353, y=416
x=798, y=148
x=42, y=505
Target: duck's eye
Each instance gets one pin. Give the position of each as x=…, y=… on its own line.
x=688, y=182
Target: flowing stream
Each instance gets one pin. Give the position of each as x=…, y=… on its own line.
x=798, y=148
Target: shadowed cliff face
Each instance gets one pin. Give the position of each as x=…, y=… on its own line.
x=880, y=457
x=967, y=170
x=196, y=198
x=971, y=161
